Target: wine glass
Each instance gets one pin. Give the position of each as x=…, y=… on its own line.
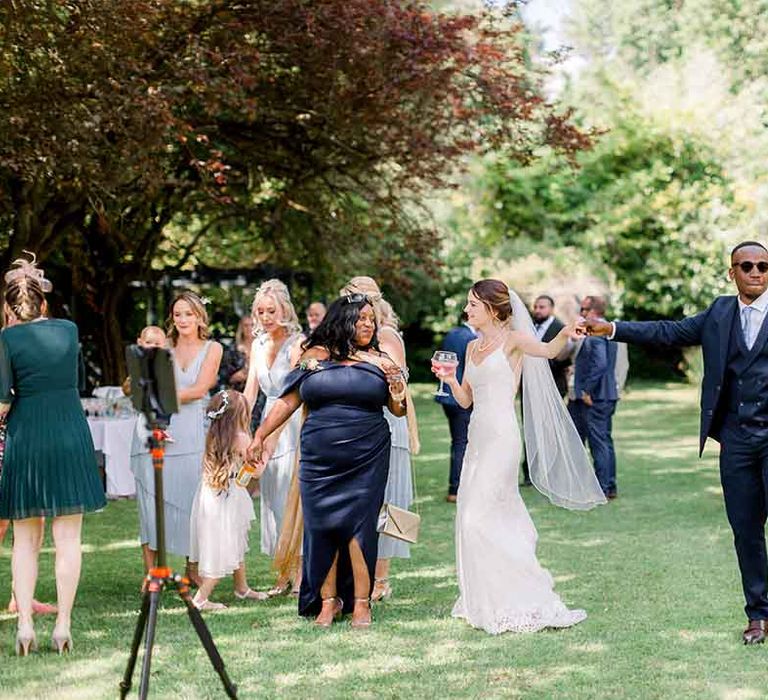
x=443, y=360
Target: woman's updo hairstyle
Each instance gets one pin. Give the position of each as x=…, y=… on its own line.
x=25, y=288
x=385, y=314
x=495, y=297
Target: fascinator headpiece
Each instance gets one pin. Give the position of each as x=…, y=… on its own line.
x=27, y=269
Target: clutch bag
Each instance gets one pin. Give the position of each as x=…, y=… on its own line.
x=398, y=523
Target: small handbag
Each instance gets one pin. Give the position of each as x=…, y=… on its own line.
x=399, y=523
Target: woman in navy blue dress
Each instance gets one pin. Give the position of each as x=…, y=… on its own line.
x=344, y=381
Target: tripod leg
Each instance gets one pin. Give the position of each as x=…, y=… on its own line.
x=206, y=640
x=154, y=598
x=125, y=685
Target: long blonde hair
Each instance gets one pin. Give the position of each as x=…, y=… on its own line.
x=279, y=292
x=385, y=314
x=229, y=415
x=196, y=303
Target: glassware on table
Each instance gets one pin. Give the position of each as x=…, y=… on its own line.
x=444, y=360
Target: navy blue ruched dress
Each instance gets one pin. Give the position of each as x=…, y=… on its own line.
x=345, y=445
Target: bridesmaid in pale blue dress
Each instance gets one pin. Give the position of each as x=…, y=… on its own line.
x=196, y=365
x=274, y=352
x=399, y=490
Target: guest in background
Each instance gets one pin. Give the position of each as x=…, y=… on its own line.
x=399, y=491
x=49, y=464
x=344, y=380
x=233, y=372
x=315, y=314
x=234, y=369
x=456, y=340
x=596, y=395
x=546, y=326
x=196, y=362
x=222, y=511
x=274, y=352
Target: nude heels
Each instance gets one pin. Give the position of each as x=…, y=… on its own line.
x=361, y=621
x=61, y=642
x=26, y=641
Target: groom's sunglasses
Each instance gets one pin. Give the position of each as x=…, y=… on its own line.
x=747, y=265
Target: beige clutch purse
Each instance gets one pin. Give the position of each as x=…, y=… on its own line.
x=398, y=523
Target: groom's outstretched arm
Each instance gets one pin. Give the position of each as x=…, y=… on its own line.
x=687, y=331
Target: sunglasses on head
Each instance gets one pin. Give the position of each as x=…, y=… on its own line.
x=356, y=298
x=747, y=265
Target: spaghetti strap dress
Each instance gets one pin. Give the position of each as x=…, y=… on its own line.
x=275, y=482
x=49, y=463
x=182, y=468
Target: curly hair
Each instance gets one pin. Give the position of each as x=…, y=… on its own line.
x=337, y=331
x=220, y=457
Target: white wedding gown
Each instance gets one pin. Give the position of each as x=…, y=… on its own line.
x=502, y=586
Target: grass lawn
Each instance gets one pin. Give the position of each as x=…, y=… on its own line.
x=655, y=570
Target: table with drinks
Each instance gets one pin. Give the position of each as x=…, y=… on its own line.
x=112, y=423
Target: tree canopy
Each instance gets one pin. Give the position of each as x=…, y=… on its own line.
x=139, y=133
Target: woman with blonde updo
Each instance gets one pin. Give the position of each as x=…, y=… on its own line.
x=275, y=350
x=49, y=465
x=399, y=490
x=196, y=367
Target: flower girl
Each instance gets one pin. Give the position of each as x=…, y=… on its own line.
x=222, y=511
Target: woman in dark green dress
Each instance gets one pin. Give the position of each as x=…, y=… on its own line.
x=49, y=467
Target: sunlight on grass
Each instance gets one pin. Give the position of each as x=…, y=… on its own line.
x=655, y=571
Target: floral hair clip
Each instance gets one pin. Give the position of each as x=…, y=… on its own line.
x=213, y=415
x=28, y=268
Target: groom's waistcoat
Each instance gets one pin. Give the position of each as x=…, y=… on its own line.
x=745, y=388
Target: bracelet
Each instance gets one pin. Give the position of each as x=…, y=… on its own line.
x=400, y=396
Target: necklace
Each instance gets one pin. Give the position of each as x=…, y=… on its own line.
x=483, y=348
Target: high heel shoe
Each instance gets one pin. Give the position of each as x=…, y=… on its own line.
x=336, y=604
x=361, y=621
x=279, y=589
x=26, y=641
x=381, y=590
x=61, y=642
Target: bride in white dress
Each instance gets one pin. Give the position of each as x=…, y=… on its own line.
x=502, y=586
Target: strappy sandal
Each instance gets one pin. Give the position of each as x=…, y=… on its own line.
x=207, y=605
x=338, y=605
x=381, y=590
x=279, y=590
x=365, y=622
x=250, y=594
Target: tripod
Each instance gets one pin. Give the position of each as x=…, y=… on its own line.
x=158, y=578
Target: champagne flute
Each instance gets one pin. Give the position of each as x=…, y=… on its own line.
x=444, y=360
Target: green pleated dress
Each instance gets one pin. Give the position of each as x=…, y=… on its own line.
x=49, y=465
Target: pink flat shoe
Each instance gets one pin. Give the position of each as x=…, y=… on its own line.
x=38, y=608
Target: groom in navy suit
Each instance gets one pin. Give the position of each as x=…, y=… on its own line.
x=733, y=336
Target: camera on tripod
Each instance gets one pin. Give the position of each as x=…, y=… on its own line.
x=153, y=392
x=153, y=384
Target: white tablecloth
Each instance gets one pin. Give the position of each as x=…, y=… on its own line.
x=113, y=436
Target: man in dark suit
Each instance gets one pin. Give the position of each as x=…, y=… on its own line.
x=546, y=326
x=596, y=394
x=734, y=408
x=456, y=340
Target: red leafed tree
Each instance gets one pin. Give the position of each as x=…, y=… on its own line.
x=296, y=131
